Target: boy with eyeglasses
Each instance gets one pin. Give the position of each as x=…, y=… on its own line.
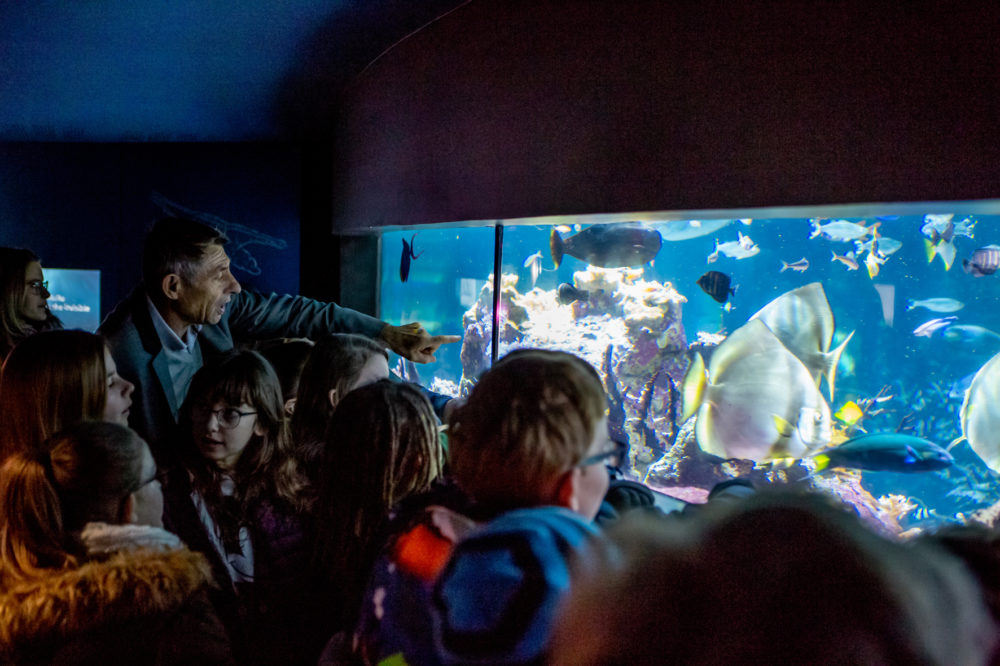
x=530, y=447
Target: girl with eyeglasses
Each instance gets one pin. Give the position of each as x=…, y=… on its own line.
x=240, y=500
x=23, y=298
x=87, y=573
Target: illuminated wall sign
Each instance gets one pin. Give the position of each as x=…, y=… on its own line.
x=76, y=297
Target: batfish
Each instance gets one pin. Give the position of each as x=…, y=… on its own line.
x=757, y=400
x=803, y=321
x=608, y=245
x=980, y=413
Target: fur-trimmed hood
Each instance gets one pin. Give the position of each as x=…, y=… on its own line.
x=116, y=589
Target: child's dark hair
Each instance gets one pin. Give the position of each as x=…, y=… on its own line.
x=382, y=446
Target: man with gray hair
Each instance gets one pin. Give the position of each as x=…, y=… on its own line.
x=189, y=308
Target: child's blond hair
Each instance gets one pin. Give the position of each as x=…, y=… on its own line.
x=529, y=419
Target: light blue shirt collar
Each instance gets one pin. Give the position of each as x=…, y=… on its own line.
x=168, y=338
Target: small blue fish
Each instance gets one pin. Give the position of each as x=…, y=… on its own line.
x=404, y=261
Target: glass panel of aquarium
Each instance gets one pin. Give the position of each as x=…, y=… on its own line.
x=849, y=352
x=433, y=276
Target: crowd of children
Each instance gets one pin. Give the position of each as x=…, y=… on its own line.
x=313, y=510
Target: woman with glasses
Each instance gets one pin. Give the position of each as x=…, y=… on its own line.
x=23, y=298
x=87, y=574
x=240, y=500
x=54, y=379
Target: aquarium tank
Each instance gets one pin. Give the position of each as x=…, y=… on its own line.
x=851, y=349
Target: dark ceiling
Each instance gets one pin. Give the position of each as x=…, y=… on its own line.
x=189, y=70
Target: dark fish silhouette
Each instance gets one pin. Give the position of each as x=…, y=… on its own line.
x=984, y=261
x=404, y=261
x=567, y=293
x=716, y=285
x=608, y=245
x=886, y=452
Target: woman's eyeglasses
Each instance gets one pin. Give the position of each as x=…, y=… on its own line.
x=228, y=417
x=39, y=285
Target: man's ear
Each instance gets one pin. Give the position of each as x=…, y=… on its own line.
x=566, y=485
x=171, y=286
x=332, y=395
x=126, y=510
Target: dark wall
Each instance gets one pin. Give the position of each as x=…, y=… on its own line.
x=514, y=108
x=87, y=205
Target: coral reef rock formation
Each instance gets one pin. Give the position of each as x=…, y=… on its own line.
x=628, y=328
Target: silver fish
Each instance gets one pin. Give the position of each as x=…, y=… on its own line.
x=757, y=400
x=797, y=266
x=741, y=248
x=945, y=227
x=846, y=259
x=885, y=246
x=928, y=328
x=980, y=413
x=839, y=230
x=936, y=304
x=534, y=262
x=803, y=321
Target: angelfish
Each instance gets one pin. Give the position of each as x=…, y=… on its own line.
x=756, y=401
x=404, y=261
x=803, y=321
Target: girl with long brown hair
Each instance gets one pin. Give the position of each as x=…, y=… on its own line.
x=54, y=379
x=382, y=448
